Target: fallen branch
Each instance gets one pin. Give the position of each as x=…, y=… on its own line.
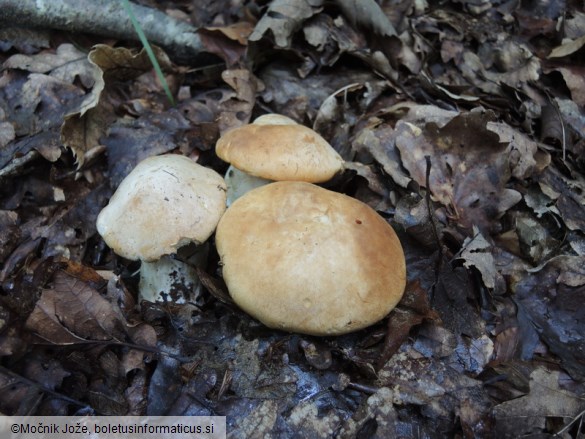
x=107, y=18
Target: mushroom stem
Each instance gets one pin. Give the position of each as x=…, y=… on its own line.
x=239, y=182
x=174, y=277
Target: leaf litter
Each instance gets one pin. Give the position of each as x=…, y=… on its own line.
x=462, y=124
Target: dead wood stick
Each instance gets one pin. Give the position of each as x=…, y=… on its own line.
x=106, y=18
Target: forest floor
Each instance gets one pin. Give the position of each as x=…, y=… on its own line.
x=462, y=123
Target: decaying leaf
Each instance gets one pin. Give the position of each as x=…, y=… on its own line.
x=535, y=240
x=551, y=297
x=452, y=300
x=568, y=194
x=367, y=13
x=228, y=42
x=476, y=252
x=528, y=415
x=82, y=130
x=25, y=40
x=377, y=140
x=283, y=18
x=568, y=47
x=522, y=151
x=431, y=383
x=237, y=110
x=469, y=166
x=72, y=312
x=413, y=309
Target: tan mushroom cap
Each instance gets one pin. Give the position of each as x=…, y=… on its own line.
x=166, y=202
x=274, y=119
x=304, y=259
x=274, y=147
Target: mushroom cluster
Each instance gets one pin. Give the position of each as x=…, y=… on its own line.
x=166, y=206
x=296, y=256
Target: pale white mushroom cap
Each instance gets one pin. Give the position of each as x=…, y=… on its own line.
x=304, y=259
x=275, y=147
x=166, y=202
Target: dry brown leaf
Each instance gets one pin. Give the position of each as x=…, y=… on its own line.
x=378, y=141
x=476, y=252
x=283, y=18
x=522, y=150
x=568, y=47
x=574, y=77
x=82, y=130
x=368, y=14
x=528, y=415
x=239, y=31
x=549, y=298
x=413, y=309
x=72, y=312
x=237, y=110
x=228, y=42
x=7, y=132
x=469, y=166
x=67, y=64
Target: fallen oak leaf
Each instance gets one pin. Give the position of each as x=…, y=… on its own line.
x=528, y=414
x=227, y=42
x=72, y=312
x=81, y=130
x=367, y=13
x=67, y=63
x=550, y=296
x=476, y=252
x=283, y=18
x=567, y=47
x=470, y=166
x=413, y=309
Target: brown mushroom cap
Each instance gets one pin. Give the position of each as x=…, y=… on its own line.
x=304, y=259
x=276, y=148
x=166, y=202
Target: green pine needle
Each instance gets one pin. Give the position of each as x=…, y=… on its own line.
x=149, y=51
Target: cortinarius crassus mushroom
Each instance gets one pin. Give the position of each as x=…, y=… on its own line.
x=165, y=203
x=305, y=259
x=275, y=148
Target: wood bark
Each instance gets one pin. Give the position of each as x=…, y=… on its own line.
x=107, y=18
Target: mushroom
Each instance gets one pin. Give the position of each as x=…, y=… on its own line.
x=166, y=203
x=275, y=148
x=304, y=259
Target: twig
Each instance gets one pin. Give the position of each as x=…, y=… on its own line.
x=566, y=427
x=562, y=122
x=106, y=18
x=439, y=264
x=364, y=388
x=152, y=350
x=428, y=200
x=44, y=389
